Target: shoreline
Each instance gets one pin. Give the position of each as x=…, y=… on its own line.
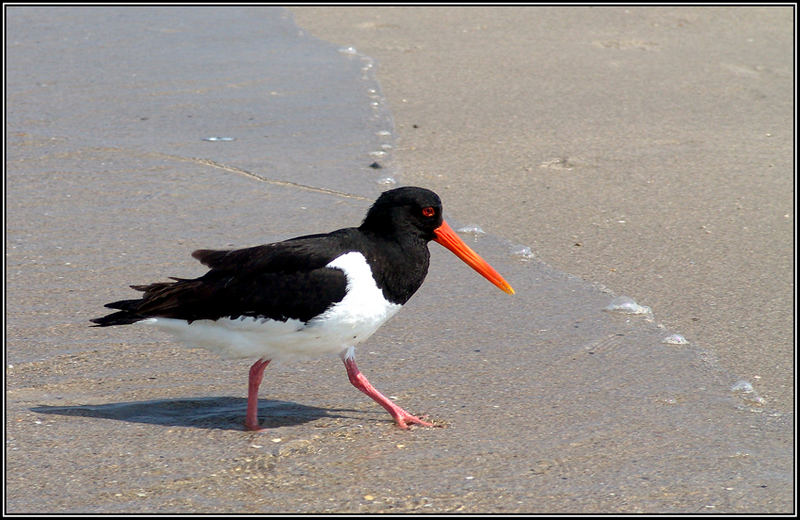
x=680, y=196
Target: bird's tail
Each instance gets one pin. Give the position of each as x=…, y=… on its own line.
x=117, y=318
x=157, y=301
x=125, y=316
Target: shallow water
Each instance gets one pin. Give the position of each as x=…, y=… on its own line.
x=240, y=87
x=550, y=402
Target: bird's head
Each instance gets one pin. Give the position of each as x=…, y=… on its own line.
x=412, y=211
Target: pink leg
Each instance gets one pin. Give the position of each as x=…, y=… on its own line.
x=401, y=417
x=256, y=375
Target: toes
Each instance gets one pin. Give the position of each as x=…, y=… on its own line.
x=403, y=421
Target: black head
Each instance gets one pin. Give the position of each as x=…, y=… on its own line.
x=407, y=210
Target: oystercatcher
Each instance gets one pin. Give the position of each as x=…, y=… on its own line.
x=306, y=296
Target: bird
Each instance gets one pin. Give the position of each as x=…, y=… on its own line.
x=306, y=296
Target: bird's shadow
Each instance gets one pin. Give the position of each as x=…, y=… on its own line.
x=225, y=413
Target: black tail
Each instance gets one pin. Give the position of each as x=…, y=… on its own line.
x=160, y=299
x=127, y=315
x=117, y=318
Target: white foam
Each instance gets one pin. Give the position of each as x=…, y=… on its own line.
x=675, y=339
x=627, y=305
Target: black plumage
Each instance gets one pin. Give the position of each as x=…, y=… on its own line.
x=289, y=279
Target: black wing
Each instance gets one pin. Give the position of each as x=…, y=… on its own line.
x=277, y=281
x=306, y=252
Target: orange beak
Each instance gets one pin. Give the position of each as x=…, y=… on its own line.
x=448, y=238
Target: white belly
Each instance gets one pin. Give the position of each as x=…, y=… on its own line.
x=344, y=324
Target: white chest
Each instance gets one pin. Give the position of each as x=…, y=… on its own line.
x=363, y=309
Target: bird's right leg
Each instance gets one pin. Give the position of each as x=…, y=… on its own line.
x=256, y=375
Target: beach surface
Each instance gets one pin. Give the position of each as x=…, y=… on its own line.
x=646, y=149
x=587, y=154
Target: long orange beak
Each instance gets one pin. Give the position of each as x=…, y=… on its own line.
x=448, y=238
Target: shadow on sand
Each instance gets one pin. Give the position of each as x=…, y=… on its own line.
x=226, y=413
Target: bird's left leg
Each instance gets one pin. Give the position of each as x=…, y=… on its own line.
x=401, y=417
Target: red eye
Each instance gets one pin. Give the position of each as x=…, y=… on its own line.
x=428, y=212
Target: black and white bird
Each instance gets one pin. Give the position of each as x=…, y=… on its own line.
x=306, y=296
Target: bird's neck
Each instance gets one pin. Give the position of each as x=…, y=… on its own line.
x=404, y=264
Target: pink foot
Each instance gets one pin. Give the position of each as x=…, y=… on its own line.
x=406, y=418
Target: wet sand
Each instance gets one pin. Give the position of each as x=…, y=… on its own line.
x=547, y=403
x=646, y=149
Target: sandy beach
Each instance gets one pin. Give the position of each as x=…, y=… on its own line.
x=646, y=149
x=644, y=152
